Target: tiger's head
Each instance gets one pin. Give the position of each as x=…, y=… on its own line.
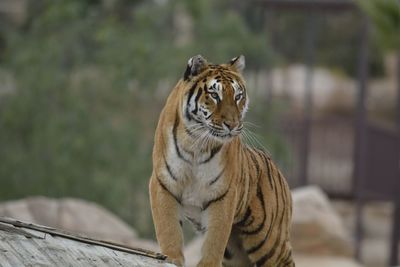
x=215, y=99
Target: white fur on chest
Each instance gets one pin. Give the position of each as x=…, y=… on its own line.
x=193, y=176
x=195, y=182
x=197, y=191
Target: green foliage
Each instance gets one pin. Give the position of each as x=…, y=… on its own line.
x=88, y=75
x=385, y=16
x=336, y=40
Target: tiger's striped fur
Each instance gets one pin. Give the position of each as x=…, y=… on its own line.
x=204, y=173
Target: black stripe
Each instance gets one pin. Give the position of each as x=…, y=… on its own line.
x=240, y=205
x=196, y=100
x=250, y=221
x=257, y=230
x=166, y=189
x=209, y=116
x=169, y=170
x=189, y=132
x=267, y=163
x=216, y=178
x=260, y=196
x=187, y=73
x=207, y=204
x=256, y=247
x=270, y=177
x=273, y=220
x=227, y=254
x=281, y=255
x=242, y=222
x=285, y=188
x=234, y=60
x=288, y=260
x=188, y=152
x=255, y=162
x=190, y=94
x=247, y=214
x=214, y=151
x=246, y=176
x=178, y=152
x=196, y=224
x=272, y=251
x=259, y=245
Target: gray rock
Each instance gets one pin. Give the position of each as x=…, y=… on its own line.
x=317, y=228
x=73, y=215
x=324, y=261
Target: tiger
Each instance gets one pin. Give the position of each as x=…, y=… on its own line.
x=203, y=172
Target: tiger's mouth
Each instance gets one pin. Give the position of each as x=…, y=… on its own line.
x=221, y=133
x=204, y=133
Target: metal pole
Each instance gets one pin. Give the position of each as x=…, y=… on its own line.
x=394, y=246
x=308, y=101
x=360, y=135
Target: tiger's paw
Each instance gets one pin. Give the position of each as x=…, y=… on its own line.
x=178, y=262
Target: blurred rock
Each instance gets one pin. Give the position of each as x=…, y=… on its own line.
x=377, y=226
x=324, y=261
x=317, y=229
x=327, y=86
x=76, y=216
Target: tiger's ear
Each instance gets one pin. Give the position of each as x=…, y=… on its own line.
x=195, y=66
x=238, y=63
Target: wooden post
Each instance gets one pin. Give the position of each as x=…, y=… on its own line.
x=394, y=246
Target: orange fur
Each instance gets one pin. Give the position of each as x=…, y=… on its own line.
x=203, y=172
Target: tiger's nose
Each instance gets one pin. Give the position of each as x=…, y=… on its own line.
x=230, y=125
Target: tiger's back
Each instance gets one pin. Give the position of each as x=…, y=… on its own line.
x=203, y=172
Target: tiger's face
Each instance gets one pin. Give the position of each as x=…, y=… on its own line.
x=215, y=100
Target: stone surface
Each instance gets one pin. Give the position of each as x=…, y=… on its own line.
x=317, y=229
x=72, y=215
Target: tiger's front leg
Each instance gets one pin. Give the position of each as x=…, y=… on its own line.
x=220, y=219
x=165, y=213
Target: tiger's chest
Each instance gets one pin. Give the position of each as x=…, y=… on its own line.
x=196, y=182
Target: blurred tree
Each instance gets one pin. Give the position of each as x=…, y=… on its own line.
x=385, y=16
x=385, y=20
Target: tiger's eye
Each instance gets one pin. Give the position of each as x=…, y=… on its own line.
x=238, y=97
x=215, y=96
